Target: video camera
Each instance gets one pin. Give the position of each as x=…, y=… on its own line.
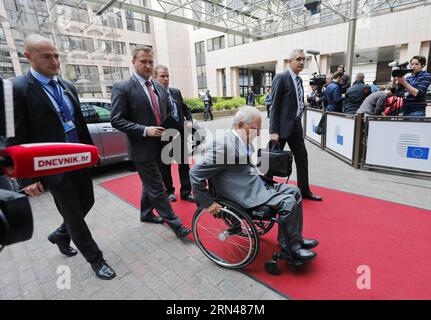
x=29, y=161
x=318, y=80
x=399, y=69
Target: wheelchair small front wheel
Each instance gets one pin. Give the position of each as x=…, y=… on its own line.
x=271, y=267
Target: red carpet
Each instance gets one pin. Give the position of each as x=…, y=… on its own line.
x=393, y=240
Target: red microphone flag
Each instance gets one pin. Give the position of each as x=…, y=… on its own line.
x=43, y=159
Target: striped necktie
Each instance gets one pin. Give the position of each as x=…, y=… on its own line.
x=300, y=94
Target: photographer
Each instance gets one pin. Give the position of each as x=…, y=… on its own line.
x=415, y=87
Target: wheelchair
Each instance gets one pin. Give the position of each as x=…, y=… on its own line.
x=231, y=238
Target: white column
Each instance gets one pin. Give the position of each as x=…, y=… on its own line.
x=280, y=66
x=413, y=49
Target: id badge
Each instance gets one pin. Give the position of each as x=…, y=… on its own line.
x=67, y=126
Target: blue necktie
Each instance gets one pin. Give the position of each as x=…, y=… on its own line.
x=72, y=135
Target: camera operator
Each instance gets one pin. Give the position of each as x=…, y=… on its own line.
x=333, y=93
x=415, y=87
x=313, y=98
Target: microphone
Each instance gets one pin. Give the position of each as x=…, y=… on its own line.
x=313, y=52
x=43, y=159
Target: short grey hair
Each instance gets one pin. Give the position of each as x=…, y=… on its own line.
x=159, y=68
x=294, y=53
x=246, y=114
x=34, y=39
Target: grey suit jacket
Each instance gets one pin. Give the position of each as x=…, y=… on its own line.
x=284, y=105
x=225, y=163
x=132, y=113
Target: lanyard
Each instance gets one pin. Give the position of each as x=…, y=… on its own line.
x=59, y=103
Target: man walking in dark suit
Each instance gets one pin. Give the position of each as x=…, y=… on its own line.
x=285, y=117
x=139, y=107
x=47, y=110
x=180, y=111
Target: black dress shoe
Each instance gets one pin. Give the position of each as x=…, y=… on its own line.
x=303, y=254
x=312, y=196
x=182, y=232
x=64, y=248
x=151, y=218
x=103, y=270
x=172, y=197
x=309, y=243
x=188, y=197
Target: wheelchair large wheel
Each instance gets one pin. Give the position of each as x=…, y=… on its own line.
x=230, y=239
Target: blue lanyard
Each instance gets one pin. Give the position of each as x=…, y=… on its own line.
x=59, y=103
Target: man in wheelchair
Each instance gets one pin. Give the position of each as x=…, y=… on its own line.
x=226, y=164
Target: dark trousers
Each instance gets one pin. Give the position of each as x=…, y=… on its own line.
x=268, y=109
x=183, y=169
x=288, y=204
x=153, y=192
x=74, y=198
x=208, y=113
x=297, y=146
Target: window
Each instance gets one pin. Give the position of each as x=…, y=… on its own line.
x=111, y=19
x=215, y=43
x=73, y=11
x=234, y=40
x=112, y=47
x=200, y=65
x=6, y=67
x=137, y=22
x=2, y=36
x=113, y=74
x=76, y=43
x=31, y=15
x=85, y=78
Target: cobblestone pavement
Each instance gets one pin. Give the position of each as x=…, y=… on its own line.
x=150, y=261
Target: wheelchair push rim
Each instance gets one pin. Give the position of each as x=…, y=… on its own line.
x=229, y=240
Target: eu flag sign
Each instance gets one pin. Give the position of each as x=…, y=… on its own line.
x=418, y=153
x=340, y=139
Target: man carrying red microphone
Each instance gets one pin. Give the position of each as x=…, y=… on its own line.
x=47, y=109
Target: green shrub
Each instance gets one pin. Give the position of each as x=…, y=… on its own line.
x=196, y=105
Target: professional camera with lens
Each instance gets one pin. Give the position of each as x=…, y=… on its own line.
x=318, y=80
x=400, y=69
x=16, y=219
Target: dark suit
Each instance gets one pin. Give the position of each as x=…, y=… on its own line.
x=36, y=120
x=182, y=158
x=284, y=121
x=132, y=113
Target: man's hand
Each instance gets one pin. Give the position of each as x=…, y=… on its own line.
x=317, y=99
x=35, y=189
x=155, y=131
x=401, y=81
x=274, y=137
x=189, y=124
x=214, y=208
